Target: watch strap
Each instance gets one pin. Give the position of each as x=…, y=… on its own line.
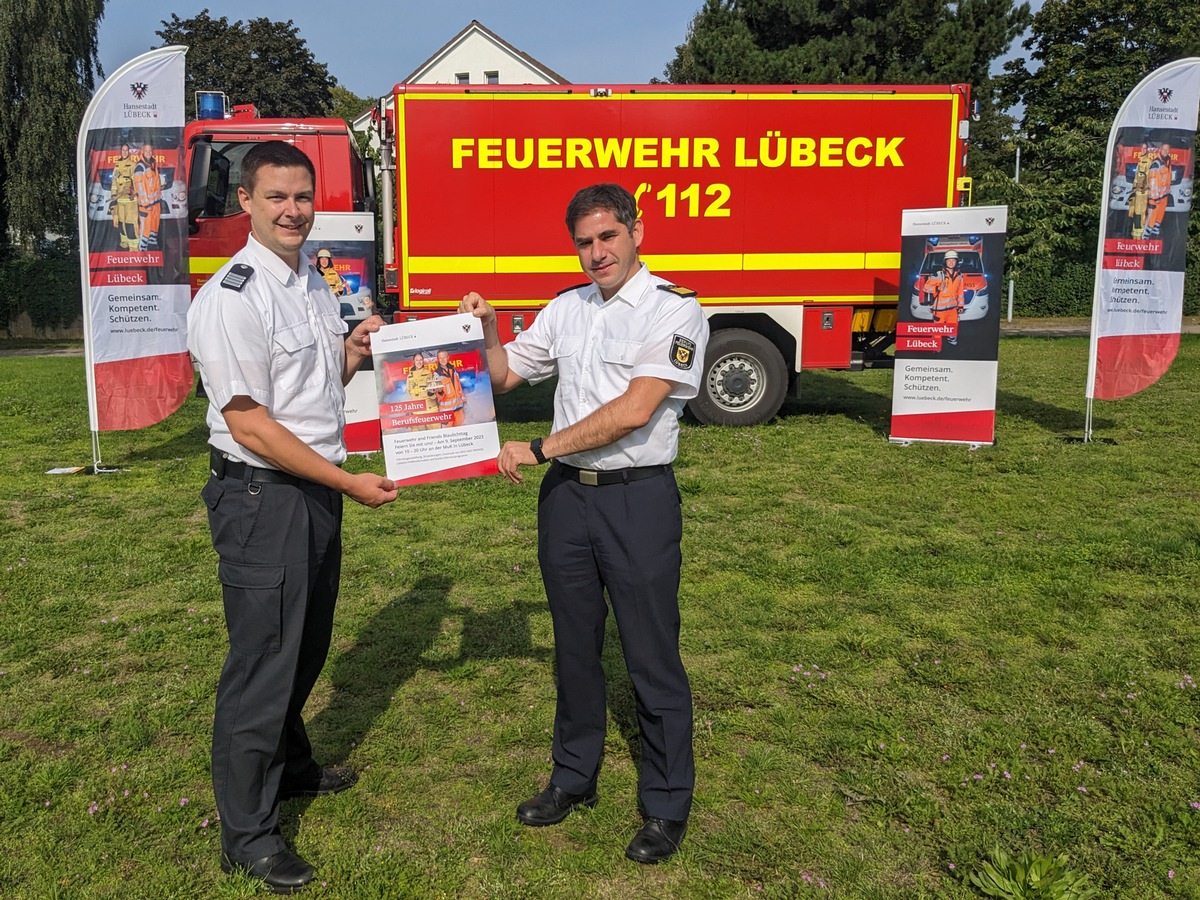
x=535, y=447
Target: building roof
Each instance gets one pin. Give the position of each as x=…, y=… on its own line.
x=475, y=27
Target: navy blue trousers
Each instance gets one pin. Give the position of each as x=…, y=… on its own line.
x=622, y=539
x=280, y=563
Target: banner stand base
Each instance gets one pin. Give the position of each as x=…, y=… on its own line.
x=82, y=470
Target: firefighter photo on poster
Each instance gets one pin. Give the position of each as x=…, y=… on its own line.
x=945, y=282
x=136, y=203
x=1150, y=198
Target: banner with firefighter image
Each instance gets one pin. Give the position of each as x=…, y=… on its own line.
x=435, y=400
x=1137, y=306
x=948, y=328
x=133, y=244
x=342, y=246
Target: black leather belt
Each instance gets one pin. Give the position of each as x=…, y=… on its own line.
x=595, y=477
x=223, y=467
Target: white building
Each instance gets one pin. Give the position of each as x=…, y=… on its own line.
x=475, y=55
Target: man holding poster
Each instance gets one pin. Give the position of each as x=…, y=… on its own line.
x=628, y=350
x=267, y=335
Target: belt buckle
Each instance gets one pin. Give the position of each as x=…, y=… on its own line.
x=588, y=477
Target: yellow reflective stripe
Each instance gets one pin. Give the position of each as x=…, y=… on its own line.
x=741, y=302
x=451, y=265
x=694, y=262
x=662, y=262
x=883, y=260
x=206, y=265
x=513, y=265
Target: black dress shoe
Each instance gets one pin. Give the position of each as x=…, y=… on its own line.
x=334, y=779
x=553, y=805
x=658, y=840
x=283, y=872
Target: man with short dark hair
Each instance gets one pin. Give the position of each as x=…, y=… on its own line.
x=267, y=335
x=628, y=350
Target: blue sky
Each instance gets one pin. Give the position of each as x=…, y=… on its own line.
x=369, y=45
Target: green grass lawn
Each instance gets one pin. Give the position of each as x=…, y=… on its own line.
x=903, y=658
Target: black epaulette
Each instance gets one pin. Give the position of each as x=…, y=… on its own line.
x=676, y=289
x=573, y=287
x=237, y=276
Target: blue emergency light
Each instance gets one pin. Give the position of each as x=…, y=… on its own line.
x=210, y=105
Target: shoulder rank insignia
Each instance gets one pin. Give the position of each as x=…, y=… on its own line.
x=573, y=287
x=683, y=352
x=237, y=276
x=676, y=289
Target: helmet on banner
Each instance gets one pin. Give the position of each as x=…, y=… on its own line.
x=323, y=253
x=951, y=255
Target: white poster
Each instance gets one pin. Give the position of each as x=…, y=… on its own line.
x=948, y=327
x=435, y=400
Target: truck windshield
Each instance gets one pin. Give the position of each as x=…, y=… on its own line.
x=224, y=176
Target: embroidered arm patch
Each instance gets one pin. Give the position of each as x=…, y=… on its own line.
x=683, y=352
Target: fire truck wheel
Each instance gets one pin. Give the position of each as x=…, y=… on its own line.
x=745, y=380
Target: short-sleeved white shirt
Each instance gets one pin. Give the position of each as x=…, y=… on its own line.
x=596, y=348
x=280, y=341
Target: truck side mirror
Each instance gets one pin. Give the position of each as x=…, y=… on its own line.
x=372, y=201
x=197, y=183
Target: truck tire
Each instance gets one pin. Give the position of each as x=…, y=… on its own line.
x=745, y=380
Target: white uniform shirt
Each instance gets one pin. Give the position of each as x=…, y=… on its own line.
x=596, y=348
x=280, y=341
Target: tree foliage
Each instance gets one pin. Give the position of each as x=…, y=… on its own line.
x=49, y=66
x=1085, y=58
x=346, y=104
x=846, y=41
x=257, y=61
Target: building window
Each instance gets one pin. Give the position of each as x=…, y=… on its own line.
x=463, y=77
x=492, y=77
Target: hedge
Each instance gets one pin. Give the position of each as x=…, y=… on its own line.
x=1067, y=291
x=46, y=288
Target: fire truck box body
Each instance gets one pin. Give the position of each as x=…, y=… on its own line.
x=780, y=206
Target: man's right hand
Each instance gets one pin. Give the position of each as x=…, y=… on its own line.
x=372, y=490
x=478, y=307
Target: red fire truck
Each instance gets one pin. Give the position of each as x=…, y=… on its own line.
x=779, y=205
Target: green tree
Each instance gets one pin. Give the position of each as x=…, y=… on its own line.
x=846, y=41
x=1085, y=58
x=257, y=61
x=49, y=67
x=348, y=105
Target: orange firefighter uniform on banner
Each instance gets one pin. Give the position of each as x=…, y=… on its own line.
x=1159, y=179
x=124, y=205
x=451, y=398
x=149, y=193
x=946, y=288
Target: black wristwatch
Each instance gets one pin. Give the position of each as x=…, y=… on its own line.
x=535, y=447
